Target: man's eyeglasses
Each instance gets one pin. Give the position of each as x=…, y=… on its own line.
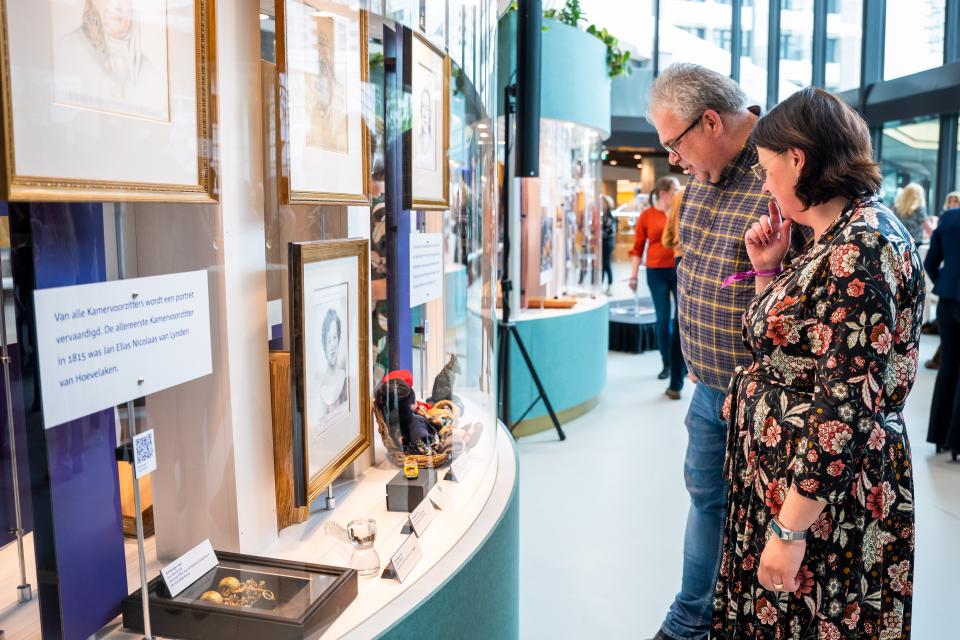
x=672, y=145
x=761, y=171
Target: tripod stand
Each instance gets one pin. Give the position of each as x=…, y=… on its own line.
x=507, y=329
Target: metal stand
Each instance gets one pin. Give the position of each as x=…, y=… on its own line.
x=132, y=423
x=24, y=590
x=331, y=500
x=506, y=327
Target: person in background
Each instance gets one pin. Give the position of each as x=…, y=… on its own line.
x=911, y=207
x=608, y=242
x=952, y=201
x=661, y=268
x=671, y=240
x=943, y=266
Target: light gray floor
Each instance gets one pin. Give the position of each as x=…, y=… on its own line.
x=602, y=514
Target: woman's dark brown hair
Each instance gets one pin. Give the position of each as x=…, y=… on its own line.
x=835, y=142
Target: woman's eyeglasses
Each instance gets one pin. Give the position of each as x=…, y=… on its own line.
x=761, y=171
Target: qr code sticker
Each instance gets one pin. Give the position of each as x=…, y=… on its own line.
x=144, y=453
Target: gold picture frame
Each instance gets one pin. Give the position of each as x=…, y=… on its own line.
x=331, y=414
x=19, y=178
x=417, y=157
x=313, y=147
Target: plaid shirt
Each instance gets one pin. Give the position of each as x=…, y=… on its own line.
x=714, y=218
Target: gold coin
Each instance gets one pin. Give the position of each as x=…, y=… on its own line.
x=229, y=584
x=212, y=596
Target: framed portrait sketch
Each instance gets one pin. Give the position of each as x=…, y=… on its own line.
x=108, y=100
x=323, y=143
x=426, y=172
x=329, y=285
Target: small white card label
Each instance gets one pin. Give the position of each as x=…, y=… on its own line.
x=458, y=468
x=426, y=268
x=422, y=516
x=144, y=453
x=406, y=558
x=438, y=497
x=188, y=568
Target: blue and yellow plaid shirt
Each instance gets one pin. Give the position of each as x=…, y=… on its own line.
x=713, y=220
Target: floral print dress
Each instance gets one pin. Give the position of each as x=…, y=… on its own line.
x=834, y=340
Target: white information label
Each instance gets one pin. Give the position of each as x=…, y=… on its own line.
x=438, y=497
x=406, y=558
x=188, y=568
x=105, y=343
x=426, y=268
x=458, y=468
x=422, y=516
x=144, y=453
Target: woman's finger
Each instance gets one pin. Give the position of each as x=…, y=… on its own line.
x=765, y=224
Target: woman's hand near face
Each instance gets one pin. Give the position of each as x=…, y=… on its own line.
x=768, y=240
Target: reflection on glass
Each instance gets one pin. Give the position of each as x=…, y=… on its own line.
x=698, y=32
x=909, y=154
x=755, y=23
x=796, y=46
x=914, y=37
x=844, y=41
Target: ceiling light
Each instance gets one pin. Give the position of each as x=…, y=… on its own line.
x=322, y=14
x=637, y=156
x=482, y=125
x=639, y=166
x=613, y=162
x=264, y=16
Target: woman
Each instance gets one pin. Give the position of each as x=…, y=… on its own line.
x=819, y=537
x=609, y=240
x=952, y=201
x=671, y=240
x=661, y=272
x=911, y=207
x=943, y=266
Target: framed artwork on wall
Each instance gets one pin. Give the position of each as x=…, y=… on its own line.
x=426, y=172
x=329, y=287
x=323, y=144
x=108, y=101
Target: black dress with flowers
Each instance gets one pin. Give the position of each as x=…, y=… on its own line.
x=834, y=340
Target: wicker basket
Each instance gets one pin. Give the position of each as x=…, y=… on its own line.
x=395, y=449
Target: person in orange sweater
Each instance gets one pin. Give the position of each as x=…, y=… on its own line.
x=661, y=268
x=671, y=240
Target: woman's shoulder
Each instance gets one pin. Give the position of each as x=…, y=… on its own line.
x=874, y=224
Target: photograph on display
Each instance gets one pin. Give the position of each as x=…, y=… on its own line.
x=329, y=359
x=322, y=140
x=111, y=56
x=108, y=100
x=326, y=96
x=328, y=369
x=426, y=172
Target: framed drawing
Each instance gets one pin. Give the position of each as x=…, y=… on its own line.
x=107, y=101
x=329, y=285
x=322, y=147
x=426, y=172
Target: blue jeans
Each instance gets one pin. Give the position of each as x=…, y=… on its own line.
x=690, y=613
x=662, y=283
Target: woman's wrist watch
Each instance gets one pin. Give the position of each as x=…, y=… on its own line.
x=787, y=535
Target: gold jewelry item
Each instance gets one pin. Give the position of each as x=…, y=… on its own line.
x=777, y=586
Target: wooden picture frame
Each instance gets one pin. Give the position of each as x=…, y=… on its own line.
x=330, y=363
x=323, y=143
x=84, y=122
x=426, y=144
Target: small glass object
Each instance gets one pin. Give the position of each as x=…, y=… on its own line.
x=365, y=560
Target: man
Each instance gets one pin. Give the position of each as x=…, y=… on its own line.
x=703, y=121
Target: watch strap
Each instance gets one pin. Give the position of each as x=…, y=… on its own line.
x=785, y=534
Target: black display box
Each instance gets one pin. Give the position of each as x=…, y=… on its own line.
x=404, y=494
x=309, y=598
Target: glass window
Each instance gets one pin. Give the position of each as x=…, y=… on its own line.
x=844, y=41
x=754, y=25
x=914, y=37
x=909, y=154
x=694, y=33
x=956, y=182
x=796, y=46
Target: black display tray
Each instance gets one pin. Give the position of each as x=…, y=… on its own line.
x=309, y=598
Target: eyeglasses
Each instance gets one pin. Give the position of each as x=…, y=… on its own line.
x=672, y=145
x=761, y=171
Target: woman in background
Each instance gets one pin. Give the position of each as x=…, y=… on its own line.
x=661, y=269
x=911, y=207
x=671, y=240
x=952, y=201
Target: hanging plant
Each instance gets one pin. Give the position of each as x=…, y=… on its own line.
x=618, y=61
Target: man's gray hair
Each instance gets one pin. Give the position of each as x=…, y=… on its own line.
x=689, y=89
